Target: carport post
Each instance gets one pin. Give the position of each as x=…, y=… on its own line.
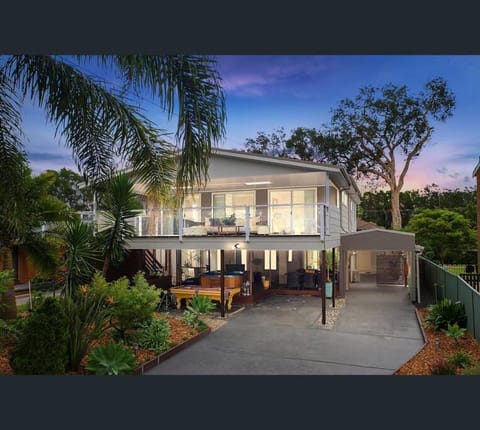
x=222, y=283
x=322, y=282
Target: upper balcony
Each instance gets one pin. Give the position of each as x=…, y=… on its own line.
x=306, y=219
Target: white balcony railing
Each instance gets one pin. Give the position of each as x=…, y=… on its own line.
x=292, y=219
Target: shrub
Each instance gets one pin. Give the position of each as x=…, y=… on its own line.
x=154, y=335
x=443, y=367
x=86, y=316
x=99, y=287
x=5, y=279
x=111, y=359
x=444, y=313
x=42, y=347
x=200, y=304
x=455, y=331
x=192, y=319
x=132, y=306
x=460, y=359
x=10, y=332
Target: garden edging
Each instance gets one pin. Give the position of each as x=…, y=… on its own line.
x=167, y=354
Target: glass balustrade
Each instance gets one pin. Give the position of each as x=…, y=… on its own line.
x=279, y=219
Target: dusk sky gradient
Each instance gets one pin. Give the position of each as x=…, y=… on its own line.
x=264, y=93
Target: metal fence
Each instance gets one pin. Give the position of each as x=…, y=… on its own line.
x=443, y=284
x=457, y=269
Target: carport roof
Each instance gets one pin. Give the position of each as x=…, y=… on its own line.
x=378, y=239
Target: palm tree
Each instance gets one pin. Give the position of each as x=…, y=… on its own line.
x=80, y=255
x=118, y=206
x=26, y=209
x=101, y=127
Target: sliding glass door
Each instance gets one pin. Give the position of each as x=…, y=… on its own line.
x=293, y=211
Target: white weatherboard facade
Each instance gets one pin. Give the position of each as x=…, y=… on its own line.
x=276, y=213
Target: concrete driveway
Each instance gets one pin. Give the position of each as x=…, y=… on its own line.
x=374, y=334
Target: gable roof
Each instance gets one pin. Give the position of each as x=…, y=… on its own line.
x=378, y=239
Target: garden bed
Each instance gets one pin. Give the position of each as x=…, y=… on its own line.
x=438, y=346
x=181, y=336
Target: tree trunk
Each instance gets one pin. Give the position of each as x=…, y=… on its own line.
x=396, y=215
x=9, y=310
x=106, y=266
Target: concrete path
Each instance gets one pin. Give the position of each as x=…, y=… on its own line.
x=375, y=333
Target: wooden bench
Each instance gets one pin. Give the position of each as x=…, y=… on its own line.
x=214, y=293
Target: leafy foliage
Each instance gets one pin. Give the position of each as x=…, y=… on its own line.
x=80, y=255
x=455, y=331
x=111, y=359
x=11, y=331
x=375, y=206
x=86, y=316
x=133, y=305
x=376, y=134
x=118, y=205
x=66, y=187
x=6, y=277
x=446, y=313
x=192, y=319
x=201, y=304
x=100, y=125
x=444, y=234
x=42, y=348
x=154, y=335
x=460, y=359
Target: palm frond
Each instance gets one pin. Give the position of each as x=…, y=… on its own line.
x=97, y=125
x=118, y=207
x=12, y=154
x=193, y=83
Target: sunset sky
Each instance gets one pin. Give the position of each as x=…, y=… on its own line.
x=264, y=93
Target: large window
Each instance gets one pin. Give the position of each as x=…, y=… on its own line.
x=293, y=211
x=226, y=204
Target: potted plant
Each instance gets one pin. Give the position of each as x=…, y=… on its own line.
x=229, y=220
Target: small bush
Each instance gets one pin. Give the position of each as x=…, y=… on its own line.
x=460, y=359
x=154, y=335
x=455, y=331
x=444, y=313
x=193, y=320
x=42, y=347
x=11, y=331
x=131, y=306
x=201, y=304
x=111, y=359
x=443, y=367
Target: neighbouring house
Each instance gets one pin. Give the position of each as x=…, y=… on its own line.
x=262, y=219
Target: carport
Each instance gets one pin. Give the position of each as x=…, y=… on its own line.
x=378, y=242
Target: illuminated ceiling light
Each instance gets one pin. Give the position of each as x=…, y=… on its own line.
x=258, y=183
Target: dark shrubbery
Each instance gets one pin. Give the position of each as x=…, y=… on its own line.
x=446, y=312
x=42, y=347
x=154, y=335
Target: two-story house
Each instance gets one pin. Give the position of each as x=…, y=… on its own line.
x=272, y=217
